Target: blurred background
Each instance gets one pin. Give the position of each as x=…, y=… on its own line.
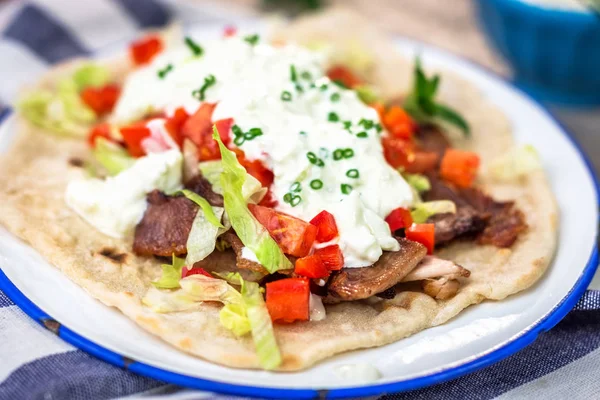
x=550, y=48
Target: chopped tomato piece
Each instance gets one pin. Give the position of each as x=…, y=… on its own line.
x=343, y=75
x=133, y=135
x=288, y=299
x=198, y=128
x=399, y=218
x=223, y=127
x=143, y=51
x=399, y=123
x=101, y=100
x=255, y=168
x=422, y=233
x=398, y=152
x=331, y=256
x=194, y=271
x=459, y=167
x=294, y=236
x=269, y=200
x=311, y=267
x=175, y=123
x=229, y=31
x=100, y=130
x=326, y=226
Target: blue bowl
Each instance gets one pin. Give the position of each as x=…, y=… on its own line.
x=554, y=53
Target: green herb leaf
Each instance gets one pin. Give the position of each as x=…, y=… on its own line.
x=193, y=46
x=209, y=81
x=163, y=72
x=421, y=104
x=252, y=39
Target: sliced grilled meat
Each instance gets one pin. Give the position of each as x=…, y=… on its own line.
x=431, y=138
x=441, y=288
x=392, y=266
x=237, y=246
x=202, y=186
x=435, y=267
x=497, y=223
x=226, y=261
x=466, y=221
x=166, y=225
x=387, y=294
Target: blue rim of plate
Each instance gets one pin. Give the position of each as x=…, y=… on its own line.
x=508, y=349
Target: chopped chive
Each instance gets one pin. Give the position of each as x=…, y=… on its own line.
x=237, y=131
x=299, y=88
x=295, y=201
x=367, y=123
x=333, y=117
x=362, y=134
x=306, y=75
x=194, y=47
x=347, y=125
x=302, y=133
x=340, y=84
x=286, y=96
x=352, y=173
x=348, y=153
x=293, y=75
x=338, y=154
x=378, y=127
x=163, y=72
x=287, y=198
x=239, y=140
x=346, y=189
x=296, y=187
x=320, y=163
x=256, y=132
x=323, y=87
x=316, y=184
x=312, y=157
x=209, y=81
x=335, y=97
x=252, y=39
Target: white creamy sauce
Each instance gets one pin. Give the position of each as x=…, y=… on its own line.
x=115, y=205
x=252, y=84
x=248, y=254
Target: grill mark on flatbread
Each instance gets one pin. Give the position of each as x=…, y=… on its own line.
x=113, y=255
x=76, y=162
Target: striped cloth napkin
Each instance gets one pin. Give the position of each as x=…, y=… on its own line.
x=36, y=364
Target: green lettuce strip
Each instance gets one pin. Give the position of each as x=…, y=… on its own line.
x=252, y=234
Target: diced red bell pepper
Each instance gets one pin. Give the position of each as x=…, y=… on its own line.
x=255, y=168
x=133, y=135
x=399, y=218
x=100, y=130
x=339, y=73
x=311, y=267
x=422, y=233
x=294, y=236
x=223, y=127
x=288, y=299
x=399, y=123
x=459, y=167
x=398, y=152
x=199, y=129
x=175, y=123
x=326, y=226
x=332, y=257
x=143, y=51
x=229, y=31
x=102, y=100
x=194, y=271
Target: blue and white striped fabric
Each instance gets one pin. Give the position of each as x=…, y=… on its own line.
x=36, y=364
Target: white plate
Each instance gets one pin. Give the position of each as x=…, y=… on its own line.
x=479, y=336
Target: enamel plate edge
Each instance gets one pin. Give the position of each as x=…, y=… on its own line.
x=492, y=330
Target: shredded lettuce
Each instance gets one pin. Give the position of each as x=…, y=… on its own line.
x=263, y=335
x=111, y=156
x=91, y=74
x=234, y=318
x=515, y=164
x=252, y=190
x=418, y=182
x=366, y=94
x=202, y=239
x=206, y=207
x=171, y=274
x=62, y=112
x=422, y=211
x=250, y=231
